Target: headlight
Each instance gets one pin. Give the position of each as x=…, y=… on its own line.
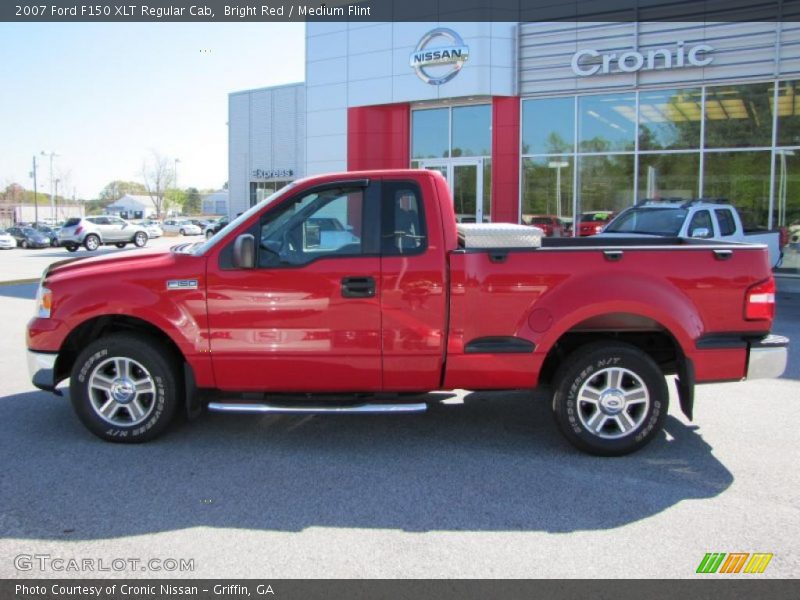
x=44, y=302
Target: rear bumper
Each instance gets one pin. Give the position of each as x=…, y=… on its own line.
x=767, y=357
x=42, y=367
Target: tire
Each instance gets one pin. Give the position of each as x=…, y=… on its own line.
x=182, y=232
x=209, y=235
x=610, y=399
x=53, y=243
x=92, y=242
x=129, y=416
x=140, y=239
x=120, y=244
x=71, y=248
x=24, y=244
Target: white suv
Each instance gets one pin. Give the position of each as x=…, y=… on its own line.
x=92, y=232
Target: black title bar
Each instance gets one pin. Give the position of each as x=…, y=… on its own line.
x=397, y=10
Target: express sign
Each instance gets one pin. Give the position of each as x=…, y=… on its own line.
x=592, y=62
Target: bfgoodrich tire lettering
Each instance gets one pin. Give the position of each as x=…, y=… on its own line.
x=146, y=367
x=610, y=399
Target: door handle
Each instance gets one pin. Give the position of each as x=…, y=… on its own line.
x=358, y=287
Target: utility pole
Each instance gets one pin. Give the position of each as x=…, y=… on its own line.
x=51, y=154
x=35, y=192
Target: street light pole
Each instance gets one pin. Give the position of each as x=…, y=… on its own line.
x=55, y=204
x=175, y=162
x=35, y=192
x=51, y=154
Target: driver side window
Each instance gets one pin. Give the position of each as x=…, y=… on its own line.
x=316, y=225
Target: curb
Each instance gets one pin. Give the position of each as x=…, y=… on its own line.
x=19, y=281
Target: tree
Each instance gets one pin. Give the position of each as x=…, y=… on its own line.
x=117, y=189
x=192, y=206
x=174, y=198
x=158, y=175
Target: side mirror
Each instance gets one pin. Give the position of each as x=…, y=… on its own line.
x=244, y=252
x=700, y=232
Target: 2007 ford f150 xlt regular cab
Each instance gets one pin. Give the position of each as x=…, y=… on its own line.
x=362, y=284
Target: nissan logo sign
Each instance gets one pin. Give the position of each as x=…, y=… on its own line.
x=437, y=63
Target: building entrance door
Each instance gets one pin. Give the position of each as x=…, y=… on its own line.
x=465, y=178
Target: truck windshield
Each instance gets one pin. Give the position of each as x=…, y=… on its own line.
x=201, y=249
x=655, y=221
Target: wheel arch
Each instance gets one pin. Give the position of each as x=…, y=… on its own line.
x=102, y=325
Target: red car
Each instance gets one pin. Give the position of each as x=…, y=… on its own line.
x=397, y=299
x=552, y=226
x=592, y=222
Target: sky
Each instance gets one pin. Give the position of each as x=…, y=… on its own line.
x=105, y=96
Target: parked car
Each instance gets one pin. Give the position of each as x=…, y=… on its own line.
x=550, y=225
x=50, y=232
x=7, y=241
x=181, y=227
x=216, y=226
x=201, y=223
x=92, y=232
x=592, y=222
x=153, y=228
x=494, y=306
x=696, y=218
x=28, y=237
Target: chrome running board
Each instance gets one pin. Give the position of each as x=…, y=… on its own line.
x=303, y=410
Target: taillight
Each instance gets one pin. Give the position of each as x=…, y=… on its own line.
x=760, y=301
x=78, y=229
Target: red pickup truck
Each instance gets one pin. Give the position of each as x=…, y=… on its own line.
x=358, y=288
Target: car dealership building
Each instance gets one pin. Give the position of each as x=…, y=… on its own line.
x=538, y=118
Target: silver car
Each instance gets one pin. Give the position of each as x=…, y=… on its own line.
x=92, y=232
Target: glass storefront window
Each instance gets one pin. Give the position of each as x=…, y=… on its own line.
x=606, y=182
x=789, y=113
x=263, y=189
x=670, y=119
x=547, y=186
x=742, y=178
x=548, y=126
x=738, y=116
x=664, y=176
x=607, y=122
x=487, y=190
x=472, y=130
x=430, y=133
x=787, y=204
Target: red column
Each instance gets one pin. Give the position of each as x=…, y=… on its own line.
x=378, y=137
x=505, y=159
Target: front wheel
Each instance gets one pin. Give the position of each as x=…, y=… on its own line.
x=209, y=235
x=182, y=232
x=92, y=242
x=124, y=388
x=120, y=244
x=140, y=239
x=24, y=244
x=610, y=399
x=71, y=248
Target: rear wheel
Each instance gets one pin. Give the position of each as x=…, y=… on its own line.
x=610, y=399
x=124, y=388
x=92, y=242
x=24, y=243
x=140, y=239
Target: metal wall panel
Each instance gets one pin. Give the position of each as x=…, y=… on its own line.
x=743, y=50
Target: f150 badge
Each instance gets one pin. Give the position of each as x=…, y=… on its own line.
x=182, y=284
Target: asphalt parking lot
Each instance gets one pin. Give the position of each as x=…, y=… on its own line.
x=484, y=488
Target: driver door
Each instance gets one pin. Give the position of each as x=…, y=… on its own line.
x=307, y=318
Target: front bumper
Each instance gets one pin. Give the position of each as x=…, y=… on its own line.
x=767, y=357
x=42, y=368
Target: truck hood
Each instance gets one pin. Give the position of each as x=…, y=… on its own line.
x=113, y=265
